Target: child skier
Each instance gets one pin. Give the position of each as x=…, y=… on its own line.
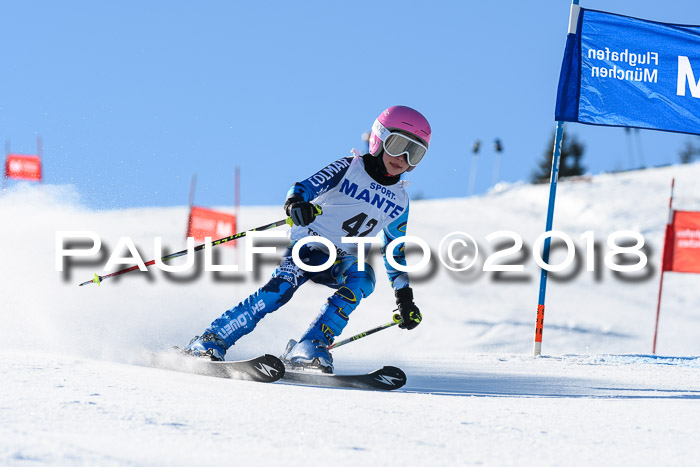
x=360, y=196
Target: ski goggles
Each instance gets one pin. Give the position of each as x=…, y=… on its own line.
x=398, y=144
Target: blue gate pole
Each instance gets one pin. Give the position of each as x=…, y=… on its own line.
x=553, y=179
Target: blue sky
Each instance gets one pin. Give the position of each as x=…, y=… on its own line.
x=132, y=98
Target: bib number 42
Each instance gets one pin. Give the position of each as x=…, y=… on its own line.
x=353, y=225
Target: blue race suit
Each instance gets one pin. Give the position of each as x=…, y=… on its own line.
x=354, y=205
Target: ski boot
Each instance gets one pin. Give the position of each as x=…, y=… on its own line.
x=309, y=353
x=207, y=346
x=312, y=349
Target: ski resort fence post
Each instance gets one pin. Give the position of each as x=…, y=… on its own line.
x=667, y=239
x=553, y=178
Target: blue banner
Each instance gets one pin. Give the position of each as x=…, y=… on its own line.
x=623, y=71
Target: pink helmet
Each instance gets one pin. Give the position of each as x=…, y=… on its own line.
x=398, y=117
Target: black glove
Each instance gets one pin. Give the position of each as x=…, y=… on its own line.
x=302, y=212
x=410, y=314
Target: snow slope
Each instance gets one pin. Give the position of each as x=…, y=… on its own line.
x=72, y=390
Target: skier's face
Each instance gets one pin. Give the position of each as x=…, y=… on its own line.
x=395, y=165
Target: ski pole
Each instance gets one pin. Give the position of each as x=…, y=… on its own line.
x=396, y=320
x=98, y=279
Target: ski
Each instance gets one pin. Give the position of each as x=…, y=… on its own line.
x=387, y=378
x=263, y=369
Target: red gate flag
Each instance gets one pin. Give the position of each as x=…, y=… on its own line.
x=682, y=245
x=205, y=222
x=23, y=167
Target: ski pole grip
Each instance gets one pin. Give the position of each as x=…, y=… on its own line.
x=319, y=211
